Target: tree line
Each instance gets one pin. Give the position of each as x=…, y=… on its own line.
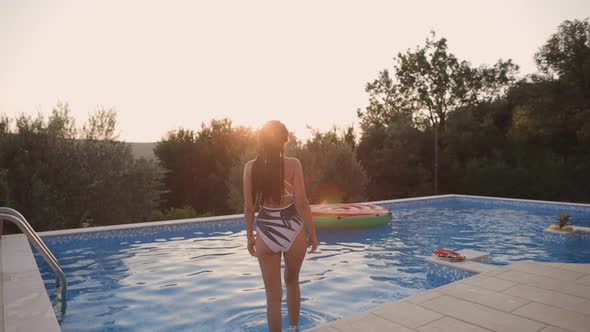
x=434, y=124
x=60, y=176
x=494, y=134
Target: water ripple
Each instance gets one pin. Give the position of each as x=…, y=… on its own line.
x=201, y=277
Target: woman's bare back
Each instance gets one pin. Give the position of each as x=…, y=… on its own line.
x=290, y=169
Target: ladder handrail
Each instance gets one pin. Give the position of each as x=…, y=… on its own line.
x=26, y=224
x=19, y=220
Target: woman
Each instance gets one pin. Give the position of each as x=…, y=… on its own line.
x=274, y=183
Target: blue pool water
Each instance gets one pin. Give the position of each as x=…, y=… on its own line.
x=200, y=277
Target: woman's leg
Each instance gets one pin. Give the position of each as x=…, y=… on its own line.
x=293, y=260
x=270, y=265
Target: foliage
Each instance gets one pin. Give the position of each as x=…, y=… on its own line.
x=564, y=218
x=429, y=82
x=198, y=164
x=176, y=213
x=61, y=177
x=331, y=170
x=234, y=183
x=4, y=189
x=394, y=157
x=566, y=55
x=498, y=137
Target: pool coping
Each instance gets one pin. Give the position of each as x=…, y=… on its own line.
x=238, y=216
x=524, y=296
x=25, y=299
x=1, y=292
x=45, y=298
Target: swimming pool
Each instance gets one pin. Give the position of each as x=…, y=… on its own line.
x=200, y=277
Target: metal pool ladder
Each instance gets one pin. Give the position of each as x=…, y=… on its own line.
x=15, y=217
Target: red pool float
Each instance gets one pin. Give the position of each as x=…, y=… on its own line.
x=448, y=254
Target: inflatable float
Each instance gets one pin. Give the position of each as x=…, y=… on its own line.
x=344, y=216
x=448, y=254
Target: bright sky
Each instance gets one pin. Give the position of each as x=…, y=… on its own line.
x=168, y=64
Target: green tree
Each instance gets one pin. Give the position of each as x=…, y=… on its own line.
x=331, y=170
x=429, y=82
x=199, y=163
x=59, y=176
x=426, y=85
x=566, y=55
x=179, y=154
x=394, y=157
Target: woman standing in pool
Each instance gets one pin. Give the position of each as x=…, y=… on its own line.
x=274, y=183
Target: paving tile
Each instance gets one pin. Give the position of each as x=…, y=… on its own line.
x=426, y=296
x=480, y=315
x=566, y=319
x=368, y=323
x=553, y=329
x=27, y=304
x=38, y=324
x=490, y=283
x=28, y=307
x=20, y=294
x=582, y=268
x=325, y=328
x=546, y=283
x=585, y=280
x=496, y=271
x=406, y=314
x=466, y=265
x=546, y=271
x=564, y=301
x=484, y=296
x=449, y=324
x=8, y=276
x=550, y=264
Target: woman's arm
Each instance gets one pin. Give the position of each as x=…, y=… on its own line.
x=249, y=207
x=303, y=208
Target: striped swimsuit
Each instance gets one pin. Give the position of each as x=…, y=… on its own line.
x=278, y=227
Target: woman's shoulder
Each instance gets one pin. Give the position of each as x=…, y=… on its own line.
x=292, y=164
x=292, y=161
x=249, y=164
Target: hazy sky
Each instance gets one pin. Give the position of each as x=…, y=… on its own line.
x=168, y=64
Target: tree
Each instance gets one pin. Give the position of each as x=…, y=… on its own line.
x=567, y=55
x=178, y=154
x=331, y=170
x=429, y=82
x=395, y=156
x=60, y=176
x=199, y=163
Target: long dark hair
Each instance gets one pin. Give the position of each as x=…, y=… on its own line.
x=268, y=176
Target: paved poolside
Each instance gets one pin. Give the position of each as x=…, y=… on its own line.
x=521, y=297
x=26, y=306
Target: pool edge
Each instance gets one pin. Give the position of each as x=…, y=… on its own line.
x=26, y=304
x=489, y=301
x=1, y=288
x=237, y=216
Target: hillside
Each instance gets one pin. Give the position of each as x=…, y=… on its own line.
x=145, y=150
